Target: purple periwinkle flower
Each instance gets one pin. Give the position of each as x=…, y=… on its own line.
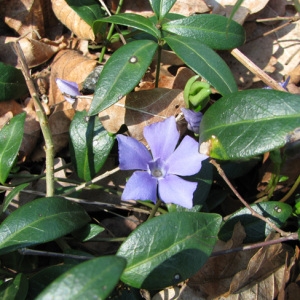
x=157, y=172
x=193, y=119
x=69, y=88
x=283, y=84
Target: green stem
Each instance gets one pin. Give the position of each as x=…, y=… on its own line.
x=292, y=190
x=150, y=205
x=49, y=149
x=110, y=32
x=155, y=208
x=159, y=50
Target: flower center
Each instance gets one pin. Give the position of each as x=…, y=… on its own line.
x=157, y=168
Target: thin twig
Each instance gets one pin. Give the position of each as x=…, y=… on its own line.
x=253, y=212
x=291, y=237
x=94, y=180
x=256, y=70
x=49, y=149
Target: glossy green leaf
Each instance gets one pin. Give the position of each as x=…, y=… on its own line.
x=15, y=191
x=12, y=83
x=205, y=62
x=168, y=249
x=93, y=279
x=90, y=145
x=88, y=232
x=256, y=229
x=209, y=30
x=40, y=221
x=40, y=280
x=122, y=73
x=88, y=10
x=161, y=7
x=15, y=289
x=249, y=123
x=135, y=21
x=11, y=136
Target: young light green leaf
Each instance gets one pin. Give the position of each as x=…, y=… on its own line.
x=168, y=249
x=135, y=21
x=12, y=83
x=90, y=145
x=88, y=232
x=122, y=73
x=15, y=191
x=11, y=136
x=88, y=10
x=256, y=229
x=14, y=289
x=209, y=30
x=249, y=123
x=205, y=62
x=93, y=279
x=161, y=7
x=40, y=221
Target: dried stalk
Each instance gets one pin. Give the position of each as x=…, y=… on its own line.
x=49, y=149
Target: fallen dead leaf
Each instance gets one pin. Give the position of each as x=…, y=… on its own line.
x=35, y=52
x=139, y=109
x=24, y=16
x=71, y=20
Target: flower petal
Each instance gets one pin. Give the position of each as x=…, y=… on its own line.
x=68, y=87
x=186, y=159
x=173, y=189
x=140, y=186
x=162, y=138
x=193, y=119
x=132, y=154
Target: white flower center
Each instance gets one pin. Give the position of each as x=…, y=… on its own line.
x=157, y=168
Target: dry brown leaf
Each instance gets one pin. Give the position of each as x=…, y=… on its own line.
x=142, y=7
x=35, y=52
x=71, y=20
x=69, y=65
x=139, y=109
x=24, y=16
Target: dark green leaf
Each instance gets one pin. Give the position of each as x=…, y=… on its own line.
x=12, y=83
x=11, y=195
x=40, y=221
x=205, y=62
x=87, y=232
x=135, y=21
x=161, y=7
x=256, y=229
x=249, y=123
x=90, y=145
x=15, y=289
x=88, y=10
x=168, y=249
x=42, y=279
x=209, y=30
x=11, y=136
x=122, y=73
x=93, y=279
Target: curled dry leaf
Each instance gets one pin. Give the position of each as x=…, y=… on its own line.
x=35, y=52
x=71, y=20
x=24, y=16
x=69, y=65
x=142, y=108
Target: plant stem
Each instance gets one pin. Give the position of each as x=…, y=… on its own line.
x=256, y=70
x=292, y=190
x=159, y=50
x=110, y=32
x=94, y=180
x=49, y=149
x=155, y=208
x=253, y=212
x=291, y=237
